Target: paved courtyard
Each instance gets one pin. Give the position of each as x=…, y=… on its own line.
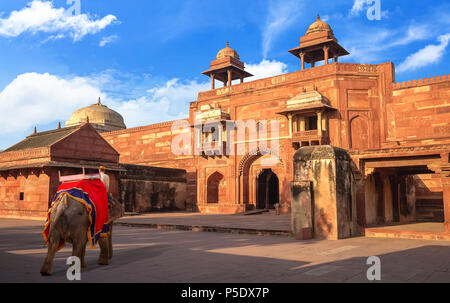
x=151, y=255
x=262, y=223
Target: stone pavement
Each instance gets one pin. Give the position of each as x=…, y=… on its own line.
x=167, y=256
x=267, y=223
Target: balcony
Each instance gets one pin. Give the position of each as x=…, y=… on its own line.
x=310, y=137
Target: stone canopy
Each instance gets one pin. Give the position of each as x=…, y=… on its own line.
x=307, y=101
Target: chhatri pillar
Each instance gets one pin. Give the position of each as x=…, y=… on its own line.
x=226, y=68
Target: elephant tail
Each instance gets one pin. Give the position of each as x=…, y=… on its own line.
x=59, y=209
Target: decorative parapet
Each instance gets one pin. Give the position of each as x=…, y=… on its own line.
x=420, y=82
x=13, y=157
x=358, y=68
x=307, y=74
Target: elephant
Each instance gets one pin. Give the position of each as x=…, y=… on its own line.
x=69, y=221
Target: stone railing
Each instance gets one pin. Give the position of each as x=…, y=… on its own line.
x=308, y=135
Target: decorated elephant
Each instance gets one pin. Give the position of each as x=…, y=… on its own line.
x=70, y=221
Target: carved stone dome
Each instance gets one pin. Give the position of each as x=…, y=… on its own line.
x=318, y=26
x=100, y=116
x=227, y=52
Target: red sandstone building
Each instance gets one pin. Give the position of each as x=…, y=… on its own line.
x=397, y=136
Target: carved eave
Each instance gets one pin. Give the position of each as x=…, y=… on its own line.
x=307, y=102
x=219, y=68
x=314, y=52
x=212, y=115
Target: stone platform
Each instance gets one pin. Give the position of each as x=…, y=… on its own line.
x=267, y=223
x=425, y=231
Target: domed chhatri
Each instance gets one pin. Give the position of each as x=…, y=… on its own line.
x=226, y=67
x=319, y=26
x=227, y=52
x=102, y=118
x=318, y=43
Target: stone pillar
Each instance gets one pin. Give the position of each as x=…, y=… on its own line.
x=302, y=124
x=290, y=124
x=319, y=123
x=212, y=82
x=446, y=197
x=229, y=77
x=324, y=121
x=295, y=124
x=325, y=52
x=242, y=80
x=302, y=58
x=336, y=58
x=313, y=64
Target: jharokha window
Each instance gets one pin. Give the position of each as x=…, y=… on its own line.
x=311, y=123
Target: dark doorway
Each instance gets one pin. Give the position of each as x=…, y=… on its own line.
x=268, y=190
x=213, y=187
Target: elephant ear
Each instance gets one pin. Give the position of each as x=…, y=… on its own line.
x=115, y=209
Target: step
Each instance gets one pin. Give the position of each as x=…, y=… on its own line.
x=405, y=234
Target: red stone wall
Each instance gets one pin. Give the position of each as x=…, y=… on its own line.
x=421, y=111
x=36, y=195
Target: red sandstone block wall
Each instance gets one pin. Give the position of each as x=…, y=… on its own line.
x=421, y=113
x=151, y=145
x=36, y=196
x=148, y=145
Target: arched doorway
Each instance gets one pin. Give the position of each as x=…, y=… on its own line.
x=268, y=189
x=359, y=133
x=249, y=170
x=213, y=182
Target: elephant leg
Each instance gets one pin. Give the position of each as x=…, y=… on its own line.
x=46, y=269
x=104, y=247
x=78, y=250
x=110, y=248
x=83, y=253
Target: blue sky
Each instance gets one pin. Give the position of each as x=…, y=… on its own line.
x=145, y=58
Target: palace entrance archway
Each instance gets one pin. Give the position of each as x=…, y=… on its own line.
x=268, y=189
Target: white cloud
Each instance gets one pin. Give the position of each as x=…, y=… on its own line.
x=266, y=68
x=428, y=55
x=34, y=98
x=41, y=16
x=167, y=102
x=281, y=15
x=370, y=45
x=108, y=40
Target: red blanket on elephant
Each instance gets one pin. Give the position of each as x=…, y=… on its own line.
x=93, y=195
